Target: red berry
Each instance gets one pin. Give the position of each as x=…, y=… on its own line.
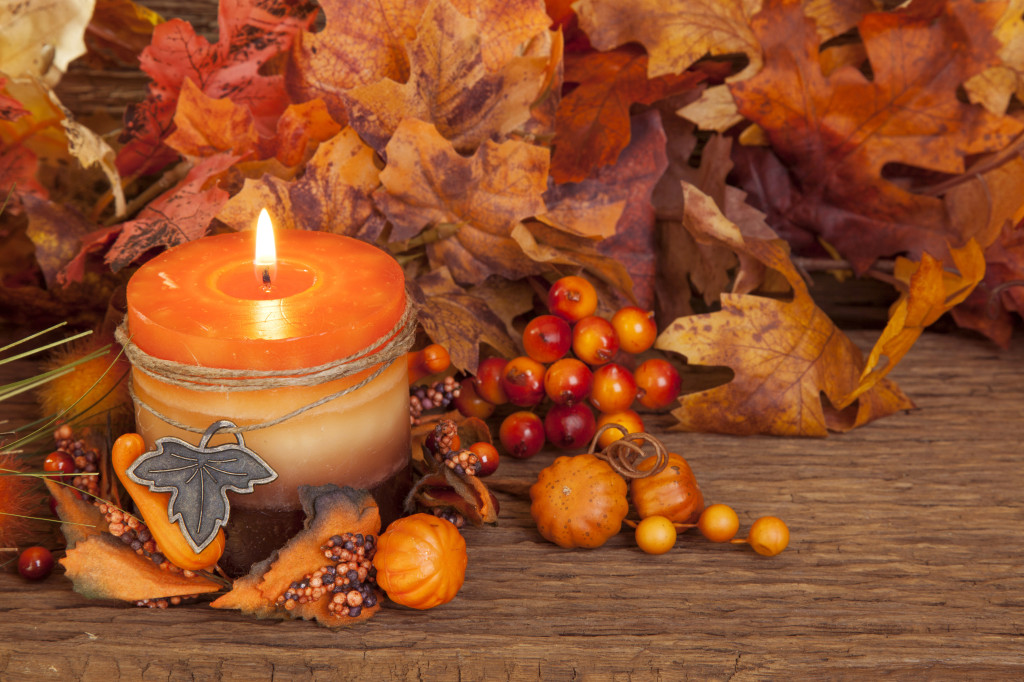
x=522, y=434
x=35, y=563
x=635, y=328
x=547, y=338
x=569, y=427
x=614, y=388
x=523, y=381
x=568, y=381
x=488, y=381
x=470, y=404
x=572, y=298
x=594, y=340
x=658, y=383
x=59, y=462
x=488, y=455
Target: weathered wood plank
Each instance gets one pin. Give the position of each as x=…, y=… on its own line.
x=905, y=560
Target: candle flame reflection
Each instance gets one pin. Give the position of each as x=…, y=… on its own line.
x=265, y=259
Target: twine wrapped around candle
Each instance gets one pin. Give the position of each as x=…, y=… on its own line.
x=390, y=347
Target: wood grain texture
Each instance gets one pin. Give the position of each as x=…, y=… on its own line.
x=905, y=561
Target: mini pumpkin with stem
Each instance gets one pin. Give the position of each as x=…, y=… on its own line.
x=580, y=501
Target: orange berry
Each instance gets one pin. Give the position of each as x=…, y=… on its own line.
x=635, y=328
x=628, y=419
x=572, y=298
x=655, y=535
x=718, y=523
x=768, y=536
x=594, y=340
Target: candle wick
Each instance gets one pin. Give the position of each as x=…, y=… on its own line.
x=266, y=279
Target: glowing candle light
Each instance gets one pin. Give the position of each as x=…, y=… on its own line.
x=265, y=259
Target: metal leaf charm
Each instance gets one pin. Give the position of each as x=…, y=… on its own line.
x=198, y=478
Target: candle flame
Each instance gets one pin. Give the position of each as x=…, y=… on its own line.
x=265, y=259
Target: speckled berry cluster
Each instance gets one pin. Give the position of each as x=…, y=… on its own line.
x=348, y=581
x=436, y=396
x=75, y=459
x=444, y=446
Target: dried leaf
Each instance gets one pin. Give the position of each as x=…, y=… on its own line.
x=593, y=124
x=458, y=320
x=205, y=125
x=931, y=292
x=118, y=33
x=505, y=25
x=81, y=518
x=676, y=33
x=836, y=134
x=333, y=195
x=785, y=355
x=301, y=128
x=444, y=489
x=330, y=510
x=41, y=37
x=427, y=182
x=449, y=85
x=994, y=87
x=181, y=214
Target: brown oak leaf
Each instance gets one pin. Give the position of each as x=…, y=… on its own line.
x=835, y=134
x=428, y=183
x=988, y=309
x=449, y=85
x=785, y=355
x=676, y=33
x=333, y=194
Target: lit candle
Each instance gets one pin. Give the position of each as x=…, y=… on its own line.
x=321, y=298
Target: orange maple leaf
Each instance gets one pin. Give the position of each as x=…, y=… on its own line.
x=592, y=123
x=208, y=125
x=835, y=134
x=676, y=33
x=479, y=199
x=785, y=355
x=449, y=85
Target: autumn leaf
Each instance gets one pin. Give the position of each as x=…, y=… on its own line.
x=505, y=25
x=181, y=214
x=427, y=182
x=118, y=33
x=676, y=33
x=301, y=128
x=204, y=126
x=592, y=124
x=10, y=108
x=449, y=85
x=785, y=355
x=987, y=309
x=458, y=320
x=251, y=34
x=930, y=292
x=56, y=231
x=835, y=134
x=993, y=87
x=333, y=194
x=41, y=37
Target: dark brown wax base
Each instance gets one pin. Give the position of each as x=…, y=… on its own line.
x=252, y=534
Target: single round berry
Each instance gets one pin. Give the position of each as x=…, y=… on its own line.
x=655, y=535
x=488, y=381
x=569, y=427
x=627, y=419
x=614, y=388
x=768, y=536
x=523, y=381
x=59, y=462
x=522, y=434
x=469, y=403
x=658, y=383
x=488, y=455
x=547, y=338
x=35, y=563
x=635, y=328
x=594, y=340
x=572, y=298
x=436, y=358
x=568, y=381
x=718, y=523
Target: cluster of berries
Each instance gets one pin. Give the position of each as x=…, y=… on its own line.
x=348, y=581
x=75, y=459
x=570, y=362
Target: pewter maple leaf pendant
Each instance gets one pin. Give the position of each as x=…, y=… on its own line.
x=198, y=478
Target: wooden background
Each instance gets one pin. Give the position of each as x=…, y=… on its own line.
x=905, y=558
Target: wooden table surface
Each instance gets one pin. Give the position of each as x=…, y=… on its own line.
x=905, y=560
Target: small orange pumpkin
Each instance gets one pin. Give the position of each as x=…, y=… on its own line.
x=672, y=492
x=578, y=501
x=421, y=561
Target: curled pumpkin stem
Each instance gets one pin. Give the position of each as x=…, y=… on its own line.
x=624, y=454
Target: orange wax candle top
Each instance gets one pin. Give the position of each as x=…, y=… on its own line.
x=202, y=303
